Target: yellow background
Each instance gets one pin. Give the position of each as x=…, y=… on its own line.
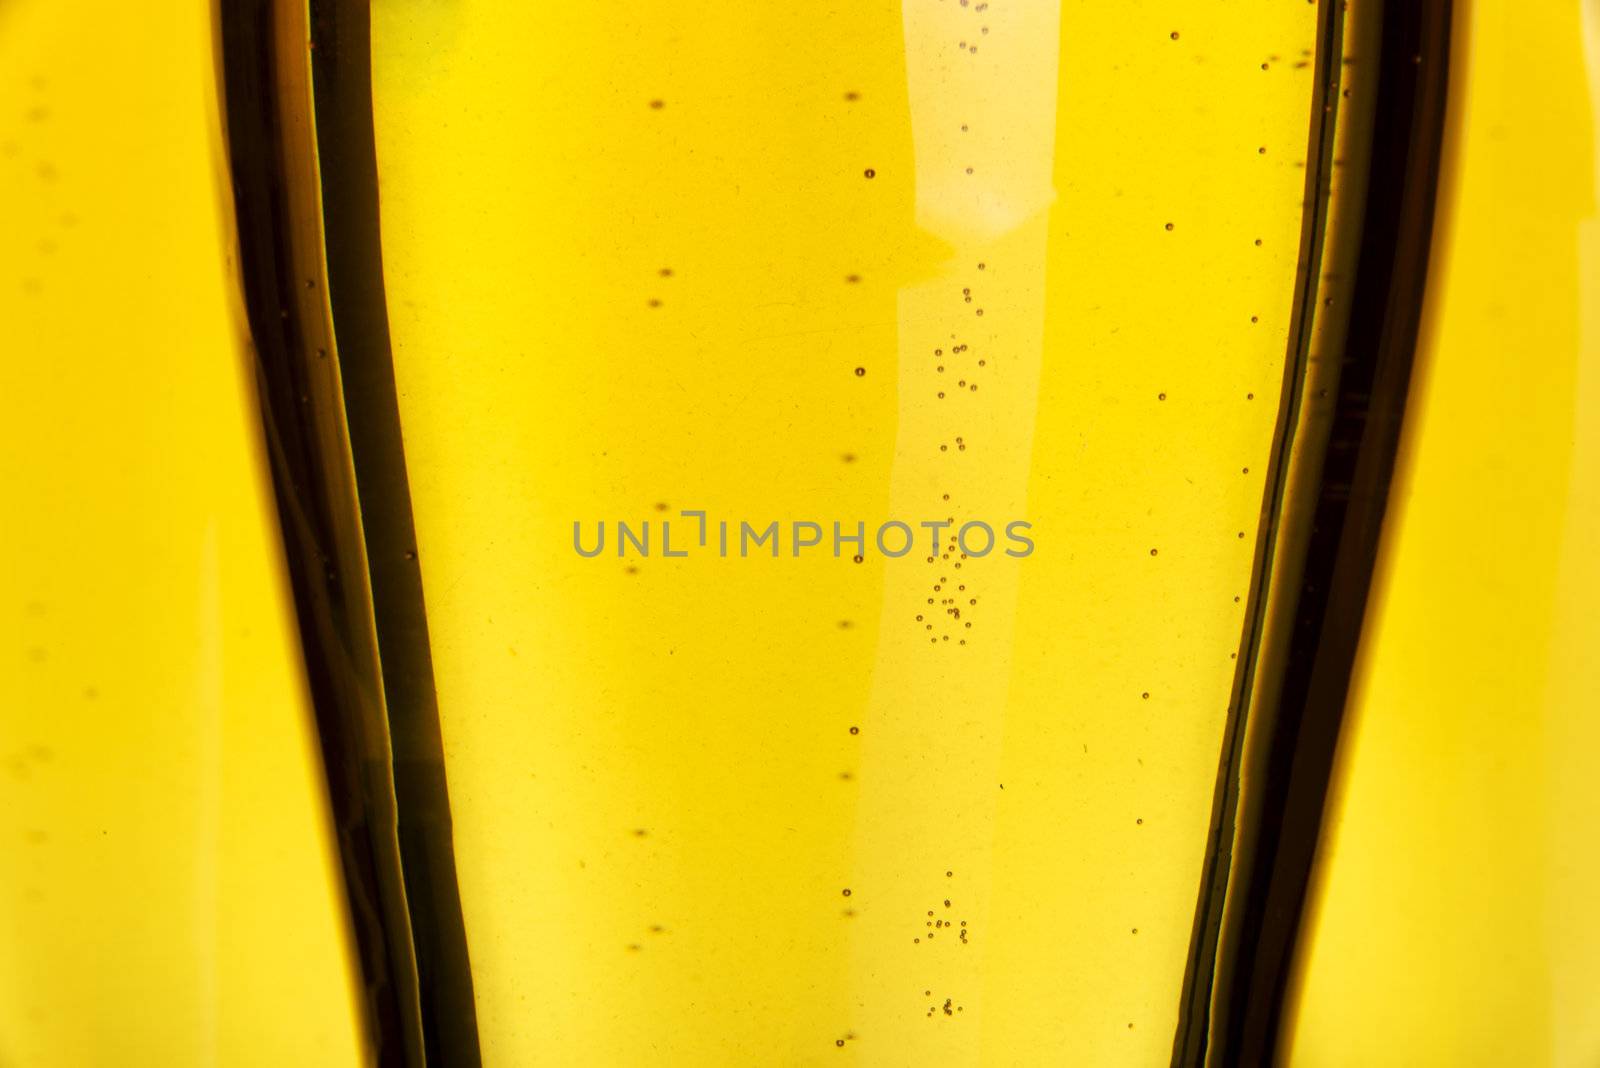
x=168, y=889
x=657, y=800
x=1457, y=920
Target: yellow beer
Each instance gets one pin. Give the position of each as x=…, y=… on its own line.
x=928, y=262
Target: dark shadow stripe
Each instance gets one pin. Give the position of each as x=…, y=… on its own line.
x=338, y=466
x=1194, y=1011
x=1292, y=758
x=342, y=71
x=316, y=509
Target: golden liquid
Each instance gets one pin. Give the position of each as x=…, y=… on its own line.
x=711, y=811
x=169, y=891
x=1455, y=919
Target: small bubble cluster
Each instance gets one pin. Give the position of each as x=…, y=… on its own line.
x=956, y=369
x=936, y=921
